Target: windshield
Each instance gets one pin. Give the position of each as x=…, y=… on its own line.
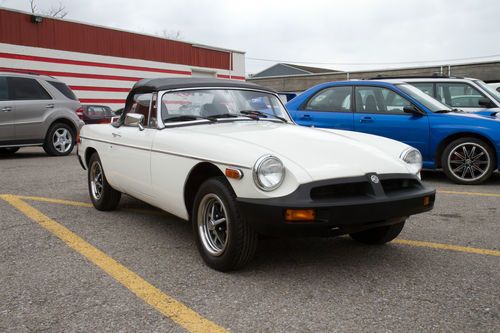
x=424, y=99
x=212, y=104
x=493, y=93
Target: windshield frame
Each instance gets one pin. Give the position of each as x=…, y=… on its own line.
x=162, y=93
x=495, y=95
x=429, y=102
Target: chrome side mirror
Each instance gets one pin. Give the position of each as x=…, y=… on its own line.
x=134, y=120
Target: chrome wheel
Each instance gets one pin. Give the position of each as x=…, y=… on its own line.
x=96, y=180
x=212, y=224
x=62, y=140
x=469, y=161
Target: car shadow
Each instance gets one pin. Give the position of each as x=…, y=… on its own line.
x=32, y=153
x=439, y=178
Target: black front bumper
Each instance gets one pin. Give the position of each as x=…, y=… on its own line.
x=364, y=204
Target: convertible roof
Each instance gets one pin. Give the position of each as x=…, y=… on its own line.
x=151, y=85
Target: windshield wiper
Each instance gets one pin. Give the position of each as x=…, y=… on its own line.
x=443, y=111
x=221, y=115
x=183, y=118
x=261, y=114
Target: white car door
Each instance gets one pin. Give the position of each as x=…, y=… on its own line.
x=130, y=153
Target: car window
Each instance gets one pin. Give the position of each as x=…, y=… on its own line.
x=98, y=110
x=458, y=94
x=426, y=87
x=4, y=90
x=63, y=89
x=141, y=105
x=27, y=89
x=379, y=100
x=333, y=99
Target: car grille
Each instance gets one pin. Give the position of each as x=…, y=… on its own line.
x=364, y=189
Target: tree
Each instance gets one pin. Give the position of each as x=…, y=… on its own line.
x=59, y=12
x=170, y=34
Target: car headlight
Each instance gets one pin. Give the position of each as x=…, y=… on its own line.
x=268, y=173
x=413, y=157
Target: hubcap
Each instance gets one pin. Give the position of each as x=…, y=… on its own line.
x=469, y=161
x=96, y=180
x=62, y=140
x=212, y=224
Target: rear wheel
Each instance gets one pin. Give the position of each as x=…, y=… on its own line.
x=223, y=237
x=103, y=196
x=60, y=140
x=468, y=161
x=380, y=235
x=8, y=151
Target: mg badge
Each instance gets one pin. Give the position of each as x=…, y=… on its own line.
x=374, y=179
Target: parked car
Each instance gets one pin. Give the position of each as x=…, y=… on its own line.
x=495, y=86
x=95, y=114
x=37, y=110
x=235, y=172
x=465, y=145
x=466, y=94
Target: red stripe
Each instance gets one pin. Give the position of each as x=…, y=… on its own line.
x=91, y=63
x=231, y=77
x=102, y=100
x=88, y=88
x=69, y=74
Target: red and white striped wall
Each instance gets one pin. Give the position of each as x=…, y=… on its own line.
x=99, y=79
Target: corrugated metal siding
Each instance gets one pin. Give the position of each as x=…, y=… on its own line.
x=17, y=28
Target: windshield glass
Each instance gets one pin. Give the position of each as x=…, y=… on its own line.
x=493, y=93
x=189, y=105
x=424, y=99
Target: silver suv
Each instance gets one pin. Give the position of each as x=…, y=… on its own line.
x=467, y=94
x=37, y=110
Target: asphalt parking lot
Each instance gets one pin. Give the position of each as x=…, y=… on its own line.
x=68, y=267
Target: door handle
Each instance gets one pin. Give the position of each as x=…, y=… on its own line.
x=49, y=106
x=366, y=120
x=306, y=117
x=7, y=109
x=116, y=135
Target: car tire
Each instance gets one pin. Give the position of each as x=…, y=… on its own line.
x=103, y=196
x=380, y=235
x=468, y=161
x=60, y=140
x=8, y=151
x=224, y=239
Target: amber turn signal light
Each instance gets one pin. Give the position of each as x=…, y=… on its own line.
x=427, y=201
x=300, y=215
x=234, y=173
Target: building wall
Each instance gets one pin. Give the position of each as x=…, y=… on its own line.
x=101, y=65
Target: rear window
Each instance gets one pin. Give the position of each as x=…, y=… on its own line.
x=63, y=89
x=99, y=110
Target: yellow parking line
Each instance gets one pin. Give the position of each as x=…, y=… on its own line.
x=56, y=201
x=479, y=194
x=168, y=306
x=449, y=247
x=86, y=204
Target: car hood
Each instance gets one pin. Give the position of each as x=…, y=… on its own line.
x=489, y=113
x=321, y=154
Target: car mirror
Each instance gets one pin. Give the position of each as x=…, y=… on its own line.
x=134, y=120
x=413, y=110
x=485, y=102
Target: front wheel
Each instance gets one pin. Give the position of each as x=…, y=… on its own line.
x=103, y=196
x=8, y=151
x=223, y=237
x=468, y=161
x=380, y=235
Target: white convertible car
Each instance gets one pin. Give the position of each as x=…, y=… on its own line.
x=227, y=156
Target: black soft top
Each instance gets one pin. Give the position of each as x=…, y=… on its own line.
x=152, y=85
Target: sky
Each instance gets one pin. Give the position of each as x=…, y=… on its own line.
x=344, y=35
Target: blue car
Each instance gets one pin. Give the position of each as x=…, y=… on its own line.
x=465, y=145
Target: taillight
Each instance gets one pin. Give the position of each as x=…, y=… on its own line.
x=79, y=112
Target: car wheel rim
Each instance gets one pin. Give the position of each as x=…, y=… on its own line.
x=96, y=180
x=469, y=161
x=213, y=224
x=62, y=140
